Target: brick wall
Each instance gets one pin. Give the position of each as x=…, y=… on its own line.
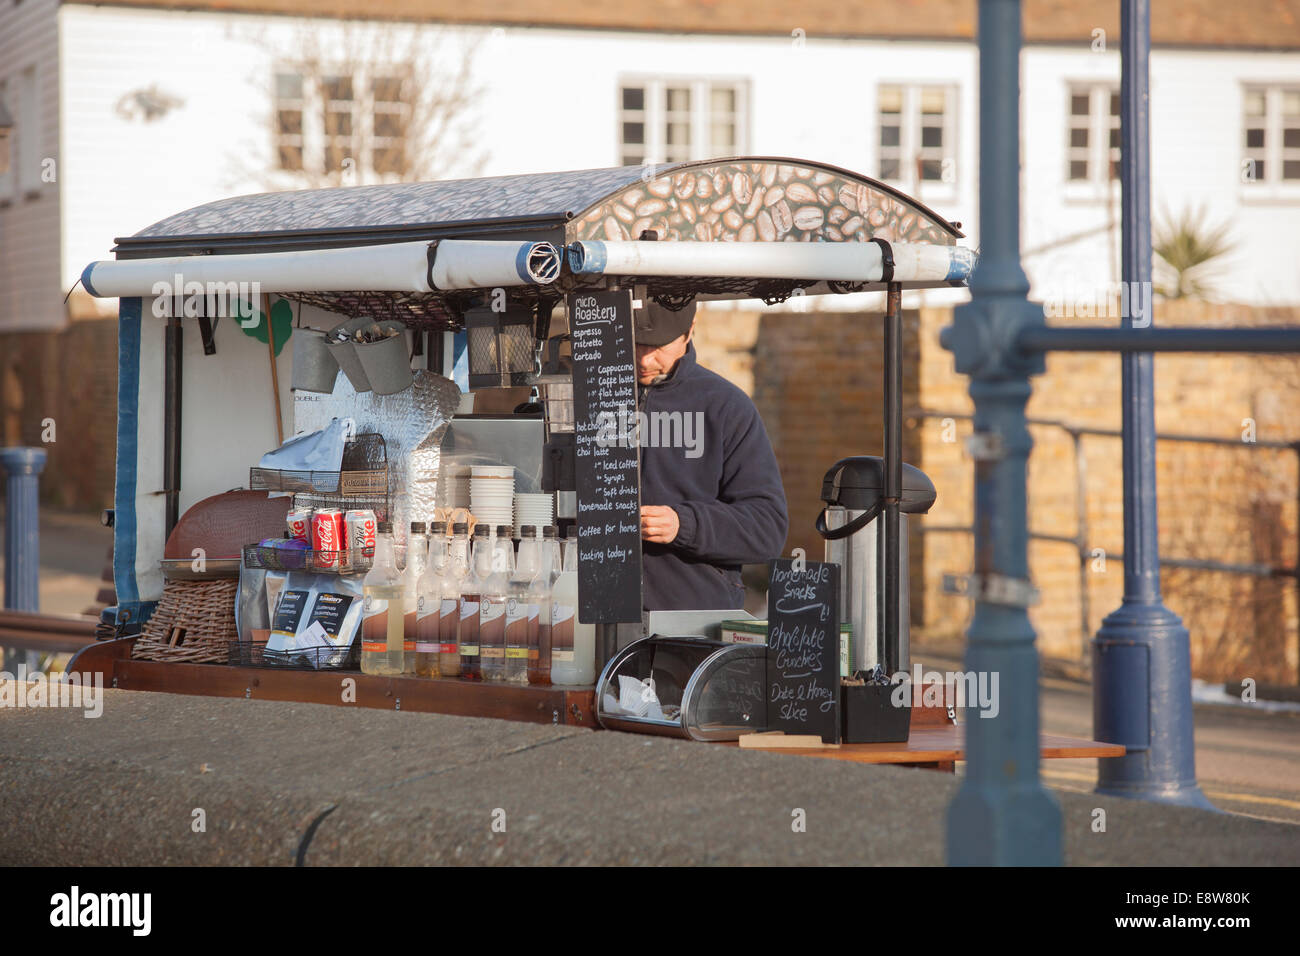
x=816, y=380
x=1231, y=504
x=70, y=377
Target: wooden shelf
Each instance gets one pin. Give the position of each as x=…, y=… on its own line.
x=572, y=705
x=941, y=745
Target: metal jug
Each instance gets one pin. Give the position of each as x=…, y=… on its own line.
x=852, y=492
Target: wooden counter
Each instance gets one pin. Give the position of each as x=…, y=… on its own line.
x=935, y=741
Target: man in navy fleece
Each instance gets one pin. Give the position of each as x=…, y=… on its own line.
x=711, y=493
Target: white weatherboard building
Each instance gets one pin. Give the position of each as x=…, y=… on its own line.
x=125, y=114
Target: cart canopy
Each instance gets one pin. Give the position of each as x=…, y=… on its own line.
x=424, y=252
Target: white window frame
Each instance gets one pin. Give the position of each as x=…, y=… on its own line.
x=352, y=140
x=400, y=107
x=300, y=103
x=909, y=145
x=654, y=115
x=1271, y=187
x=315, y=142
x=1099, y=185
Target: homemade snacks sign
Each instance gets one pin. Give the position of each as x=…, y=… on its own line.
x=803, y=648
x=606, y=472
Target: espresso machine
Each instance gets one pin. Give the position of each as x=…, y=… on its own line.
x=852, y=524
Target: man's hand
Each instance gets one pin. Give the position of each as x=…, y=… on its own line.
x=659, y=524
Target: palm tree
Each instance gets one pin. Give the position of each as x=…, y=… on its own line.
x=1187, y=246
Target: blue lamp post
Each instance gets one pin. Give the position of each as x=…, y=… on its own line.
x=1141, y=657
x=1002, y=814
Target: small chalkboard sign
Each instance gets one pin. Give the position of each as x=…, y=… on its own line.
x=803, y=649
x=607, y=457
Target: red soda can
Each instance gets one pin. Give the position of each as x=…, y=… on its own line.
x=361, y=532
x=328, y=538
x=299, y=522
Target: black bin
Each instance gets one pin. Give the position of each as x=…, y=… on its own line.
x=868, y=715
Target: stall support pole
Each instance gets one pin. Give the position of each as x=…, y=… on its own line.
x=23, y=467
x=890, y=654
x=1141, y=657
x=172, y=357
x=1001, y=815
x=608, y=646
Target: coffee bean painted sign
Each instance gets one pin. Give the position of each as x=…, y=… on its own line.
x=758, y=202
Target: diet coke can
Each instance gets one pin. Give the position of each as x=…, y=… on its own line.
x=328, y=538
x=299, y=521
x=361, y=533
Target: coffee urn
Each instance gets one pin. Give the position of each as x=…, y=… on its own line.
x=853, y=494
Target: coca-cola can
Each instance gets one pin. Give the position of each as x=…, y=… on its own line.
x=361, y=533
x=299, y=522
x=328, y=538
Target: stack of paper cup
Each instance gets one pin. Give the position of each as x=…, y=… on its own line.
x=537, y=510
x=491, y=494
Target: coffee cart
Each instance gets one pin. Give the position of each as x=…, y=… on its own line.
x=480, y=277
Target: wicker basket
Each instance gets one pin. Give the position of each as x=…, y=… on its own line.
x=194, y=623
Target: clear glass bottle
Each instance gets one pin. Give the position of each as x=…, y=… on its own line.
x=522, y=608
x=550, y=565
x=417, y=558
x=453, y=576
x=492, y=609
x=428, y=603
x=471, y=595
x=573, y=644
x=382, y=638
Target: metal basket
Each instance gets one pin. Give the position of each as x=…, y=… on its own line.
x=364, y=473
x=317, y=657
x=270, y=558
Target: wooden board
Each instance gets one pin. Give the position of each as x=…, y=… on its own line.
x=941, y=744
x=46, y=633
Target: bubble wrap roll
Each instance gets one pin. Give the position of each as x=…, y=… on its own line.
x=412, y=422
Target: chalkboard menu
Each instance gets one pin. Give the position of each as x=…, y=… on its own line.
x=803, y=649
x=607, y=457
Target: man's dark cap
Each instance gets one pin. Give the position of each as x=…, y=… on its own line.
x=656, y=325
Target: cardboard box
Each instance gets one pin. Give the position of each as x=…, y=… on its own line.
x=755, y=632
